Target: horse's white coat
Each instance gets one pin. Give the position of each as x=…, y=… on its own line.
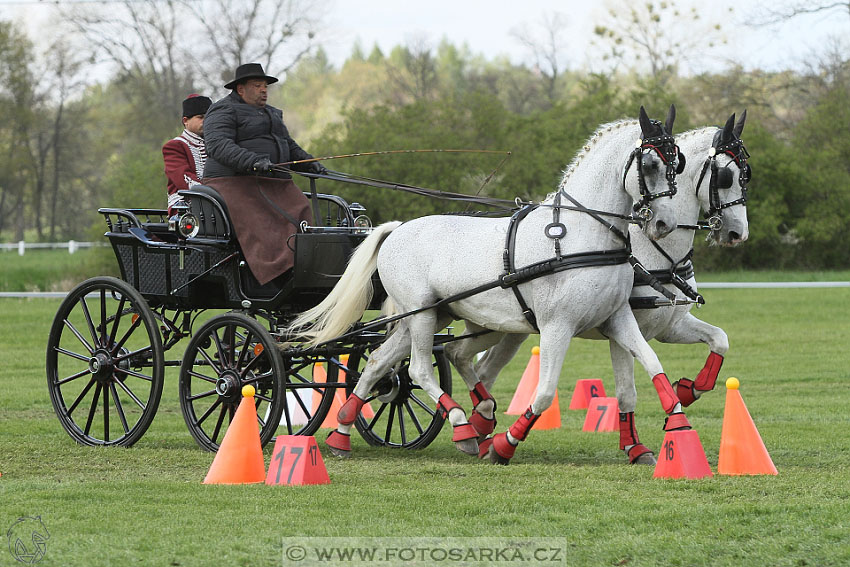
x=434, y=257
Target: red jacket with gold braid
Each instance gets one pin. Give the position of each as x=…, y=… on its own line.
x=184, y=158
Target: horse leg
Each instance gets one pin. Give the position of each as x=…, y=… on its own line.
x=497, y=357
x=553, y=348
x=462, y=355
x=689, y=331
x=623, y=328
x=422, y=327
x=623, y=364
x=382, y=358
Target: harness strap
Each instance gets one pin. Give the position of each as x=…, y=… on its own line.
x=510, y=246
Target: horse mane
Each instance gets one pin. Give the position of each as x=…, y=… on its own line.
x=586, y=147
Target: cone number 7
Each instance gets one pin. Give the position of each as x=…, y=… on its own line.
x=602, y=409
x=296, y=451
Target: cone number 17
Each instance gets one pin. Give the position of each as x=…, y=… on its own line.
x=295, y=451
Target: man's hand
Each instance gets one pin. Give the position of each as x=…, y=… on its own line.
x=263, y=165
x=317, y=168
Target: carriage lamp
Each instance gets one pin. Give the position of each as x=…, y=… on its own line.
x=179, y=208
x=362, y=224
x=188, y=225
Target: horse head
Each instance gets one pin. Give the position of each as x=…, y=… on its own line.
x=652, y=180
x=722, y=185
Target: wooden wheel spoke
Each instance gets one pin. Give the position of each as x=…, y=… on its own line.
x=130, y=393
x=133, y=373
x=208, y=412
x=119, y=408
x=79, y=374
x=93, y=408
x=81, y=396
x=79, y=336
x=413, y=417
x=89, y=322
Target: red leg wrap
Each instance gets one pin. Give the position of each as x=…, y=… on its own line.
x=503, y=447
x=707, y=377
x=636, y=451
x=483, y=425
x=479, y=393
x=519, y=430
x=685, y=391
x=628, y=433
x=447, y=404
x=349, y=410
x=676, y=421
x=340, y=441
x=665, y=392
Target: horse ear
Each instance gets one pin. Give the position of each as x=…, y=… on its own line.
x=739, y=126
x=645, y=124
x=727, y=129
x=671, y=117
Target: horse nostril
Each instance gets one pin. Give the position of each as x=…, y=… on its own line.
x=661, y=227
x=734, y=236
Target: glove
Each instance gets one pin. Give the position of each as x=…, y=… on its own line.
x=263, y=165
x=317, y=168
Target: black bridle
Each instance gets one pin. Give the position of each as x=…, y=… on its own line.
x=739, y=154
x=665, y=146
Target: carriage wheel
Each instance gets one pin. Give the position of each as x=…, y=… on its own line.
x=308, y=397
x=228, y=352
x=105, y=363
x=402, y=415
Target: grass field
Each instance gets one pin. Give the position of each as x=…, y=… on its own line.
x=146, y=505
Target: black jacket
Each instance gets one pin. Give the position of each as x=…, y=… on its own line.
x=238, y=134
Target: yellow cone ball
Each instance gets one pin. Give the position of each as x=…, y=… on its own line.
x=535, y=350
x=732, y=383
x=248, y=391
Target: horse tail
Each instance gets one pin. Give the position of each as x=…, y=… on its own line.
x=349, y=298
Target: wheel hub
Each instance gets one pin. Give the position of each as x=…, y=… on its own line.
x=392, y=388
x=100, y=365
x=228, y=386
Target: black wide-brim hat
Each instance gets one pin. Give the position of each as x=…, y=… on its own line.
x=249, y=71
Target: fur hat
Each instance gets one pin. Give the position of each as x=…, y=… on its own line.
x=195, y=104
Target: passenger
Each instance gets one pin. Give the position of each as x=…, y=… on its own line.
x=184, y=156
x=245, y=138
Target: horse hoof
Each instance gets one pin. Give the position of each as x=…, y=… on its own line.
x=341, y=453
x=468, y=446
x=645, y=459
x=496, y=458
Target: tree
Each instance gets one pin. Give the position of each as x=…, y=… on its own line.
x=547, y=46
x=646, y=34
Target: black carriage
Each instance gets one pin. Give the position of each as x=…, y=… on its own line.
x=108, y=345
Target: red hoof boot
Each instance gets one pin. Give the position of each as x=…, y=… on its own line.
x=349, y=410
x=484, y=447
x=686, y=392
x=463, y=432
x=676, y=421
x=641, y=455
x=339, y=443
x=503, y=448
x=483, y=425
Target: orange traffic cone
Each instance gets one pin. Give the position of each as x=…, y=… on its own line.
x=240, y=457
x=586, y=389
x=527, y=386
x=741, y=449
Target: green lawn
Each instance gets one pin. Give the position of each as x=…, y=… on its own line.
x=146, y=505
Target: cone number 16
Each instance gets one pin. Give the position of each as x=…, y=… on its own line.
x=668, y=450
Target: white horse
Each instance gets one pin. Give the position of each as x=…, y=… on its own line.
x=433, y=258
x=716, y=184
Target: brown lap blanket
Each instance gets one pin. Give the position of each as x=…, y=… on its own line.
x=261, y=229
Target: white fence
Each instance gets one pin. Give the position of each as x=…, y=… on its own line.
x=71, y=245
